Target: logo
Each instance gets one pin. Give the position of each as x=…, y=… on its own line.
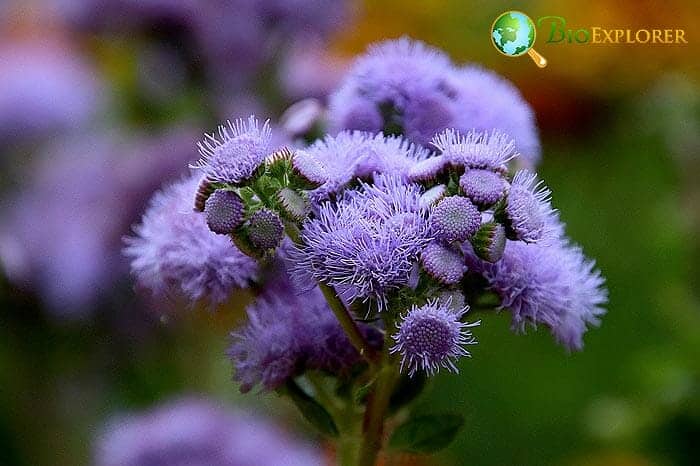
x=513, y=34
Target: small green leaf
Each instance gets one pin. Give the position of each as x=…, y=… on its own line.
x=427, y=433
x=407, y=390
x=311, y=409
x=362, y=392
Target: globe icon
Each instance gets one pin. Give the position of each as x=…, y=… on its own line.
x=513, y=34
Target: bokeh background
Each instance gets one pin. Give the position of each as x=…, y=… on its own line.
x=101, y=101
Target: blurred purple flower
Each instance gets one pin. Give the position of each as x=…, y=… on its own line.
x=172, y=249
x=60, y=235
x=46, y=90
x=411, y=88
x=199, y=432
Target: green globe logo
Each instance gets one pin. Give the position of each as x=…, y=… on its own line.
x=513, y=34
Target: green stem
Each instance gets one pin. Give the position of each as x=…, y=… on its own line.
x=348, y=324
x=377, y=407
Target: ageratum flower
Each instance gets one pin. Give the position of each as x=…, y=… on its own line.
x=336, y=161
x=432, y=336
x=394, y=79
x=486, y=150
x=288, y=331
x=239, y=150
x=366, y=243
x=528, y=210
x=406, y=87
x=550, y=283
x=173, y=249
x=198, y=432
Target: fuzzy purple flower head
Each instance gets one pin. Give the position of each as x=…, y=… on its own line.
x=432, y=336
x=407, y=87
x=549, y=282
x=528, y=209
x=336, y=161
x=367, y=242
x=198, y=432
x=486, y=150
x=288, y=331
x=173, y=249
x=238, y=151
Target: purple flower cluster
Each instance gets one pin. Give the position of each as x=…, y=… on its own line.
x=289, y=331
x=198, y=432
x=395, y=221
x=405, y=86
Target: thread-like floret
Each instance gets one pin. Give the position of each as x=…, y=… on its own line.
x=238, y=151
x=527, y=208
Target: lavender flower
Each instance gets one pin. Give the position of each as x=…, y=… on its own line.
x=289, y=331
x=550, y=283
x=432, y=336
x=46, y=89
x=338, y=160
x=394, y=77
x=443, y=263
x=198, y=432
x=240, y=149
x=223, y=211
x=406, y=87
x=173, y=249
x=55, y=236
x=490, y=151
x=528, y=208
x=367, y=242
x=483, y=187
x=454, y=219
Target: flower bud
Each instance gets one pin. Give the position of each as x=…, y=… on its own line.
x=224, y=211
x=489, y=241
x=455, y=219
x=265, y=229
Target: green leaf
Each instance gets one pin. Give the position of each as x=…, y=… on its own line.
x=311, y=409
x=406, y=391
x=427, y=433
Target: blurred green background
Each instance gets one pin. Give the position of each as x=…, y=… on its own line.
x=621, y=152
